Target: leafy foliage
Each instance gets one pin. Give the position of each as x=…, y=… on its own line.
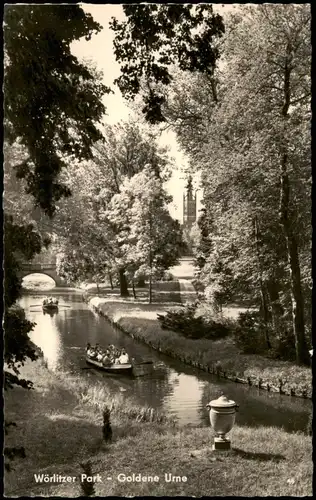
x=252, y=147
x=108, y=216
x=249, y=334
x=148, y=240
x=186, y=322
x=52, y=102
x=250, y=337
x=11, y=454
x=51, y=107
x=20, y=242
x=156, y=37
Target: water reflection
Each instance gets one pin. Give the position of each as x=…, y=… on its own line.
x=38, y=281
x=51, y=313
x=45, y=334
x=174, y=388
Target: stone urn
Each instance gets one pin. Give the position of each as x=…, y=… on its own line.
x=222, y=418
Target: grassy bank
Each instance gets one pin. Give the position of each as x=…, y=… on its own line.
x=221, y=357
x=59, y=424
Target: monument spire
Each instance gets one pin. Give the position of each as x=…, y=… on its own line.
x=189, y=205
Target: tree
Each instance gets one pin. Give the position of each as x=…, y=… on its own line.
x=52, y=102
x=126, y=149
x=154, y=39
x=51, y=106
x=253, y=148
x=148, y=239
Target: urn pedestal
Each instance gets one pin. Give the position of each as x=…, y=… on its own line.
x=222, y=418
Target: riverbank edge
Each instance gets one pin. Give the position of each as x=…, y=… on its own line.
x=168, y=448
x=186, y=449
x=215, y=368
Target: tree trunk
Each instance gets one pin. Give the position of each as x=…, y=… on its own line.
x=263, y=294
x=111, y=281
x=134, y=292
x=150, y=289
x=277, y=310
x=297, y=301
x=150, y=259
x=98, y=289
x=123, y=284
x=302, y=355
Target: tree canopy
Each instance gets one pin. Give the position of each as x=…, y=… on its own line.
x=98, y=230
x=154, y=39
x=252, y=146
x=52, y=102
x=52, y=105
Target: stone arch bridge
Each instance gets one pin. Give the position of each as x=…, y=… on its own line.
x=48, y=268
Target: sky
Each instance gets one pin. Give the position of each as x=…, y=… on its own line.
x=100, y=50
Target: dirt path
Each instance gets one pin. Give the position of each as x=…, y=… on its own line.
x=187, y=291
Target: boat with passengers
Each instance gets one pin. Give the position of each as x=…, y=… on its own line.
x=50, y=304
x=114, y=360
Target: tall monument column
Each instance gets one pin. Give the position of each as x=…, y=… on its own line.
x=189, y=206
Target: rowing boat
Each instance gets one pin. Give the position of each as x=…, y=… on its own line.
x=115, y=368
x=50, y=307
x=138, y=369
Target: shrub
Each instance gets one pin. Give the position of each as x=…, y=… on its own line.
x=250, y=338
x=249, y=333
x=86, y=486
x=284, y=347
x=167, y=276
x=191, y=325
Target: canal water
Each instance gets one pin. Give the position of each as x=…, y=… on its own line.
x=174, y=388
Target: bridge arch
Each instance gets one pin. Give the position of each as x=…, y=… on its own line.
x=49, y=271
x=45, y=273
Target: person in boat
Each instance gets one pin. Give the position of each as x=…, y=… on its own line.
x=117, y=358
x=93, y=352
x=106, y=360
x=111, y=355
x=112, y=349
x=45, y=301
x=90, y=351
x=99, y=354
x=124, y=358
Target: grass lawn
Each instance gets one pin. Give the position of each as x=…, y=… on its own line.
x=59, y=422
x=60, y=427
x=167, y=292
